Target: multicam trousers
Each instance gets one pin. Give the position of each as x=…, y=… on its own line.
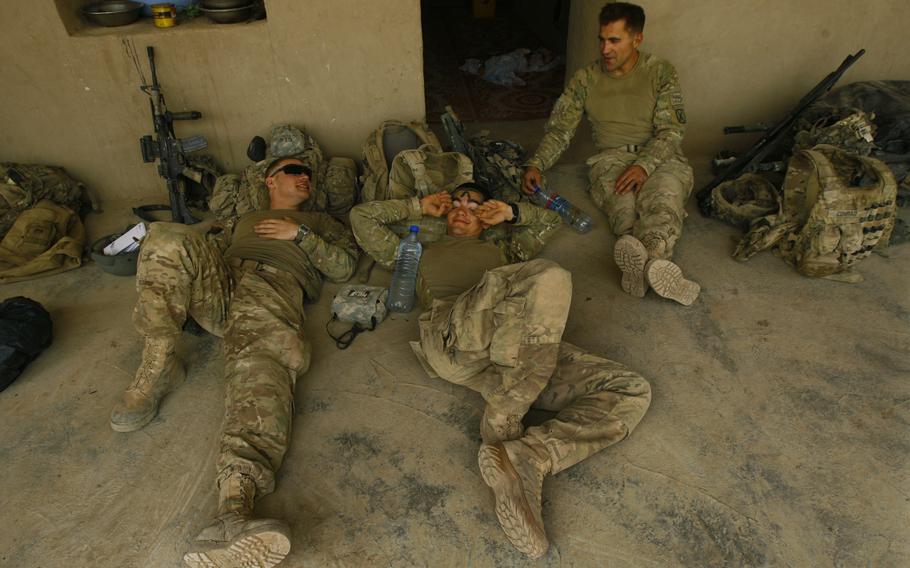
x=258, y=311
x=502, y=338
x=655, y=214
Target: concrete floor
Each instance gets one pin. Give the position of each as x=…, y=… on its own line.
x=778, y=434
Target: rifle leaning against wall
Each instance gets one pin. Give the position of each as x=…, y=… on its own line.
x=751, y=160
x=169, y=151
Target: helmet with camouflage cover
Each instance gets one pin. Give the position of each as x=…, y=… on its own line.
x=740, y=201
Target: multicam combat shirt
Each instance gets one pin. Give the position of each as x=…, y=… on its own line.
x=329, y=250
x=643, y=108
x=451, y=265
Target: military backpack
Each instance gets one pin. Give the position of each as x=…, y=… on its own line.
x=383, y=145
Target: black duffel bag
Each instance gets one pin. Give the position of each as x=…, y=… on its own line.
x=25, y=331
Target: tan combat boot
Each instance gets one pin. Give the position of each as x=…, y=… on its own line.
x=515, y=471
x=498, y=426
x=235, y=539
x=655, y=245
x=631, y=256
x=159, y=373
x=666, y=279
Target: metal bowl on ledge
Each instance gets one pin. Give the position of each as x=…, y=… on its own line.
x=228, y=15
x=112, y=13
x=221, y=4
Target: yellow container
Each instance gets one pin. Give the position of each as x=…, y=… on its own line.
x=165, y=15
x=484, y=8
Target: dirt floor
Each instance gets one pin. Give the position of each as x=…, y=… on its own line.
x=777, y=436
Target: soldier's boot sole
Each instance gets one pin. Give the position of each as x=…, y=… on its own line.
x=515, y=516
x=667, y=280
x=120, y=424
x=631, y=257
x=263, y=546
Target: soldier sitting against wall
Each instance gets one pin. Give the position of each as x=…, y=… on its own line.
x=640, y=178
x=496, y=327
x=245, y=284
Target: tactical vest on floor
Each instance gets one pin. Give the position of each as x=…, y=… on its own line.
x=836, y=208
x=383, y=145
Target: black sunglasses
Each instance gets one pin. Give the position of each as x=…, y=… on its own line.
x=294, y=170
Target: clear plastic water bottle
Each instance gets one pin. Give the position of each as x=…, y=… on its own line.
x=573, y=216
x=404, y=279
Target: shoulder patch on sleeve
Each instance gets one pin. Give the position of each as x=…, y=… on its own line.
x=681, y=116
x=676, y=99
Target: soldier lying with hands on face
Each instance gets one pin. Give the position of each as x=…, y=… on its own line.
x=493, y=323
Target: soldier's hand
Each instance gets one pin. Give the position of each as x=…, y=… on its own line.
x=530, y=179
x=493, y=212
x=436, y=204
x=281, y=229
x=631, y=180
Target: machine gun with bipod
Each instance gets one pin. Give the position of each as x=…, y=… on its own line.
x=751, y=161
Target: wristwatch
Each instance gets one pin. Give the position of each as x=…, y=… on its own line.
x=302, y=232
x=515, y=213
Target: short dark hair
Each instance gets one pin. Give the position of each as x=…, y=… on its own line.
x=633, y=14
x=473, y=186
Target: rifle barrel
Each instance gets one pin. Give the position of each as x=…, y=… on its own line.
x=151, y=53
x=188, y=115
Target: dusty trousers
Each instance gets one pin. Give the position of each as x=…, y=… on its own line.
x=259, y=313
x=655, y=214
x=503, y=338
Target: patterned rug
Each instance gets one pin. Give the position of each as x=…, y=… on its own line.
x=450, y=36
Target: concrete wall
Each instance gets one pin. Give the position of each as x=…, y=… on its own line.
x=337, y=67
x=747, y=61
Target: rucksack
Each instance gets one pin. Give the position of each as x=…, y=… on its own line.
x=23, y=185
x=420, y=172
x=45, y=239
x=334, y=181
x=383, y=145
x=836, y=208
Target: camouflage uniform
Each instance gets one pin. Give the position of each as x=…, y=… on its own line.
x=503, y=338
x=258, y=310
x=655, y=214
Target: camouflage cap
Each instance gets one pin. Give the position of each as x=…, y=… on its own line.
x=286, y=140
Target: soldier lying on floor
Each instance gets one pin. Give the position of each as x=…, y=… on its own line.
x=494, y=323
x=245, y=284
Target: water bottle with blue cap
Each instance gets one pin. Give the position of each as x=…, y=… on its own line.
x=572, y=215
x=404, y=279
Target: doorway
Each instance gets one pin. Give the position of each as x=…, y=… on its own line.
x=494, y=60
